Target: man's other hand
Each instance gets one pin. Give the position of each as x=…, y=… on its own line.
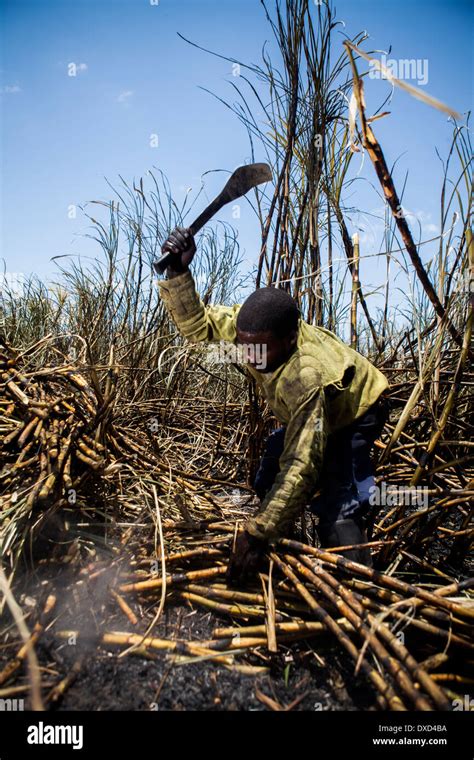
x=182, y=246
x=245, y=559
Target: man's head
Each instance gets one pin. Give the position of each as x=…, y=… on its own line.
x=269, y=319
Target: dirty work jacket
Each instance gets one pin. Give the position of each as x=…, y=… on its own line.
x=324, y=386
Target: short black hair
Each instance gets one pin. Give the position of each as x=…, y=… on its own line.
x=269, y=310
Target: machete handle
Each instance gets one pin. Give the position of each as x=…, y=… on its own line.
x=242, y=180
x=165, y=262
x=167, y=259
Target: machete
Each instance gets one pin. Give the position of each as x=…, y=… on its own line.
x=242, y=180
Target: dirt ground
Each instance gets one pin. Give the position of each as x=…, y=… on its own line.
x=314, y=675
x=307, y=676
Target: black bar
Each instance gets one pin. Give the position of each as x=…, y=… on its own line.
x=138, y=734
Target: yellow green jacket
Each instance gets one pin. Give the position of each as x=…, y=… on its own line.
x=324, y=386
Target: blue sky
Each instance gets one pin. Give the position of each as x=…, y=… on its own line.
x=62, y=135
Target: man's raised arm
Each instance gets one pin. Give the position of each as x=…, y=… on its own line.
x=195, y=321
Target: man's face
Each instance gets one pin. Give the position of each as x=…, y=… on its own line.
x=267, y=351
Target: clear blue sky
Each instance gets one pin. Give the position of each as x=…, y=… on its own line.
x=62, y=135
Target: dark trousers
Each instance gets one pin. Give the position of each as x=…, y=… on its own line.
x=347, y=475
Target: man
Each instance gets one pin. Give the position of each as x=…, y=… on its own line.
x=327, y=396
